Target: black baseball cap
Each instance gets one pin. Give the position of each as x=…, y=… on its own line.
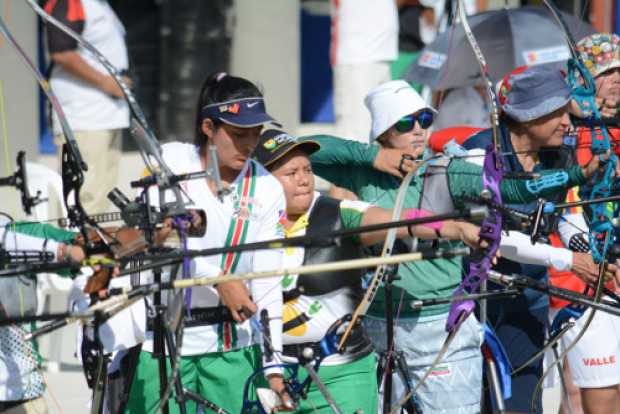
x=274, y=144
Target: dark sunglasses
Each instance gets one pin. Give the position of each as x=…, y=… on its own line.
x=406, y=123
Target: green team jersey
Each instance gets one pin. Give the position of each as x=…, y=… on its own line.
x=349, y=164
x=44, y=231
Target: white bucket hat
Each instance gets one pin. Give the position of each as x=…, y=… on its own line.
x=391, y=101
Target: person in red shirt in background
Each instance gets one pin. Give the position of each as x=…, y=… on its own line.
x=593, y=378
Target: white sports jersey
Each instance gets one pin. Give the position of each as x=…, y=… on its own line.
x=264, y=207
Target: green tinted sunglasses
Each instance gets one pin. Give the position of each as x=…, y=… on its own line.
x=425, y=118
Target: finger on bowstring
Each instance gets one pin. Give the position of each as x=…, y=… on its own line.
x=236, y=316
x=611, y=267
x=402, y=163
x=247, y=311
x=196, y=219
x=396, y=172
x=417, y=152
x=608, y=274
x=409, y=165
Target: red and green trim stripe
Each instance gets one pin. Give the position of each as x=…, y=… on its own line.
x=237, y=232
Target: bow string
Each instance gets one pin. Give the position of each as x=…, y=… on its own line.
x=583, y=92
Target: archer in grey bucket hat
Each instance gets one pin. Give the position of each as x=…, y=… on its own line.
x=531, y=92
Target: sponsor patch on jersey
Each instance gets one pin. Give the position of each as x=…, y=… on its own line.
x=247, y=209
x=281, y=222
x=441, y=371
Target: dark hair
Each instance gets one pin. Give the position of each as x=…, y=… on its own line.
x=509, y=122
x=220, y=87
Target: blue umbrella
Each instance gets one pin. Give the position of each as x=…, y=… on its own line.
x=508, y=38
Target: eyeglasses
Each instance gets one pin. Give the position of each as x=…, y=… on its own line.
x=425, y=118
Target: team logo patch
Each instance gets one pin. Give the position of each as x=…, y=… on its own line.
x=270, y=144
x=244, y=210
x=277, y=141
x=232, y=108
x=243, y=213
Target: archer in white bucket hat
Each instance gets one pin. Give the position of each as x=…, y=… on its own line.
x=392, y=101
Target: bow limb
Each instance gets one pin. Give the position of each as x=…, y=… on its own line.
x=381, y=270
x=73, y=164
x=490, y=229
x=135, y=109
x=143, y=134
x=47, y=90
x=600, y=229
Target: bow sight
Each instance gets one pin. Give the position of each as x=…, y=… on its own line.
x=542, y=220
x=19, y=180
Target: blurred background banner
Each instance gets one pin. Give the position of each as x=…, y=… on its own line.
x=283, y=45
x=508, y=38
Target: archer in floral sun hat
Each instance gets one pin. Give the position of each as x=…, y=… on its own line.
x=600, y=52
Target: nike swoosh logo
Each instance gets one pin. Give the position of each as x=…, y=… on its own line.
x=251, y=105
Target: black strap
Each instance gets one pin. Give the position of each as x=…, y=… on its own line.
x=357, y=343
x=295, y=322
x=290, y=295
x=120, y=381
x=202, y=317
x=5, y=405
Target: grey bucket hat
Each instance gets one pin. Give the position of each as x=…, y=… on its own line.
x=531, y=92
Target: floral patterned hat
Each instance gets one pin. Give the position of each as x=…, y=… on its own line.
x=600, y=52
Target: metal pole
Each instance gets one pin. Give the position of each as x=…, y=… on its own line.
x=493, y=379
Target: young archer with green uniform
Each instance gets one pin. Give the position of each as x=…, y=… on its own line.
x=313, y=303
